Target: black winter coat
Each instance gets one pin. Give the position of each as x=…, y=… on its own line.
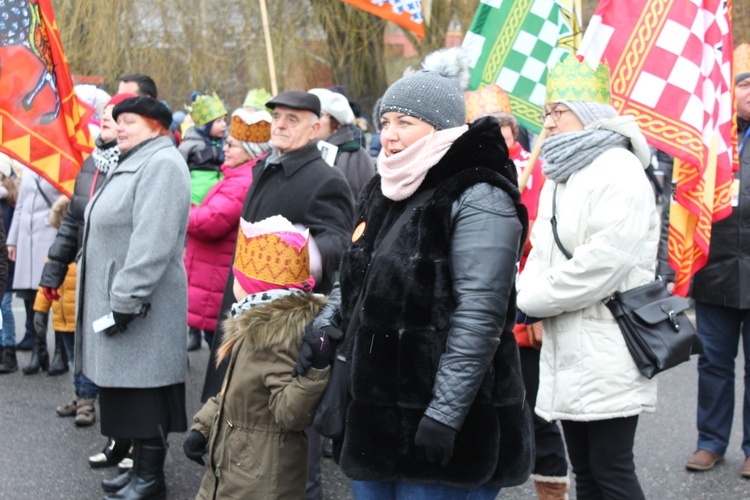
x=64, y=249
x=725, y=279
x=305, y=190
x=429, y=325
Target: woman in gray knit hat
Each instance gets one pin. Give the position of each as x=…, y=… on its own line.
x=596, y=233
x=427, y=303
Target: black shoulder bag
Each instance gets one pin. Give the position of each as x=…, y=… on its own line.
x=330, y=415
x=658, y=333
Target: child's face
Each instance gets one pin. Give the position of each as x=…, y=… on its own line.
x=239, y=292
x=218, y=127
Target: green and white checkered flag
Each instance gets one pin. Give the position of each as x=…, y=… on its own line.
x=512, y=42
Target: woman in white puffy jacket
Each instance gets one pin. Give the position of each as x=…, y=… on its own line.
x=607, y=221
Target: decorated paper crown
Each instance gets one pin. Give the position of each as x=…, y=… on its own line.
x=251, y=126
x=271, y=251
x=571, y=80
x=741, y=61
x=489, y=99
x=206, y=108
x=257, y=99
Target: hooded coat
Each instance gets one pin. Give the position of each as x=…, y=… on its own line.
x=30, y=231
x=133, y=247
x=607, y=219
x=212, y=234
x=257, y=446
x=435, y=326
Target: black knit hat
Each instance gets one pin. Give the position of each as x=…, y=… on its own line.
x=296, y=99
x=147, y=107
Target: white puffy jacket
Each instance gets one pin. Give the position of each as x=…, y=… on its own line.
x=607, y=219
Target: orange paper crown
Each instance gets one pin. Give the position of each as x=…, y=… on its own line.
x=249, y=126
x=268, y=255
x=489, y=99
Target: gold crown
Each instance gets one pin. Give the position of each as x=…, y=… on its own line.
x=489, y=99
x=207, y=108
x=570, y=80
x=741, y=59
x=247, y=127
x=269, y=258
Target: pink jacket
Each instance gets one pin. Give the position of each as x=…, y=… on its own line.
x=212, y=234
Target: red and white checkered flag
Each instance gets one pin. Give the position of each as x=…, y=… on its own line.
x=671, y=65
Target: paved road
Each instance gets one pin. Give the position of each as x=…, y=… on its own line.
x=43, y=456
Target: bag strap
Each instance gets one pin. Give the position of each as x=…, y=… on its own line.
x=413, y=202
x=553, y=221
x=46, y=198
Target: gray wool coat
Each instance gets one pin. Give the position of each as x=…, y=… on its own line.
x=133, y=244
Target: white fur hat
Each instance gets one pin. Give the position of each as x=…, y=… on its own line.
x=335, y=105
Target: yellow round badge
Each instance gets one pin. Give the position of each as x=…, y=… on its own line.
x=358, y=231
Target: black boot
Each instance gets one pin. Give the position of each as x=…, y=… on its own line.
x=8, y=361
x=194, y=339
x=147, y=479
x=60, y=359
x=118, y=482
x=39, y=355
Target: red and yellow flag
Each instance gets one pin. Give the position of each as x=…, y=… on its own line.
x=405, y=13
x=43, y=124
x=671, y=64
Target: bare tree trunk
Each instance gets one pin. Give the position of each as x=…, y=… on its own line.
x=356, y=46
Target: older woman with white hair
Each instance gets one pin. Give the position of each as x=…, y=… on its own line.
x=212, y=230
x=353, y=161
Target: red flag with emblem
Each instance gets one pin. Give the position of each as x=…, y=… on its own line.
x=671, y=65
x=405, y=13
x=43, y=124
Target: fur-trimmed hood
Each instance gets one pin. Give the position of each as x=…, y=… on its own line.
x=58, y=211
x=278, y=324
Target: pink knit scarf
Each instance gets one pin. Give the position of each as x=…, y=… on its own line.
x=403, y=173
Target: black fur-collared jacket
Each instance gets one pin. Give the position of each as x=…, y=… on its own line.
x=435, y=327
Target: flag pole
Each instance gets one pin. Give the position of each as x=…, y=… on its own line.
x=269, y=48
x=532, y=160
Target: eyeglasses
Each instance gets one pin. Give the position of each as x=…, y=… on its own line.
x=554, y=113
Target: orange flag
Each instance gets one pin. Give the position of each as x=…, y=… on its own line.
x=405, y=13
x=43, y=124
x=672, y=70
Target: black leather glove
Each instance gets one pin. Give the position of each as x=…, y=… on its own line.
x=40, y=323
x=195, y=447
x=122, y=320
x=437, y=440
x=318, y=348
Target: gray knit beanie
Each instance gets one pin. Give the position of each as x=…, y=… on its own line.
x=435, y=93
x=588, y=111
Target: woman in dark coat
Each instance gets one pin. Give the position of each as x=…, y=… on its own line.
x=436, y=404
x=131, y=265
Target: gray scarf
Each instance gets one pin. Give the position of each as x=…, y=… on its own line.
x=567, y=153
x=277, y=158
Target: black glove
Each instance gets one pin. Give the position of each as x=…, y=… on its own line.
x=40, y=323
x=122, y=320
x=195, y=447
x=437, y=440
x=318, y=348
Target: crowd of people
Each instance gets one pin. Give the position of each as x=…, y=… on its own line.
x=468, y=310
